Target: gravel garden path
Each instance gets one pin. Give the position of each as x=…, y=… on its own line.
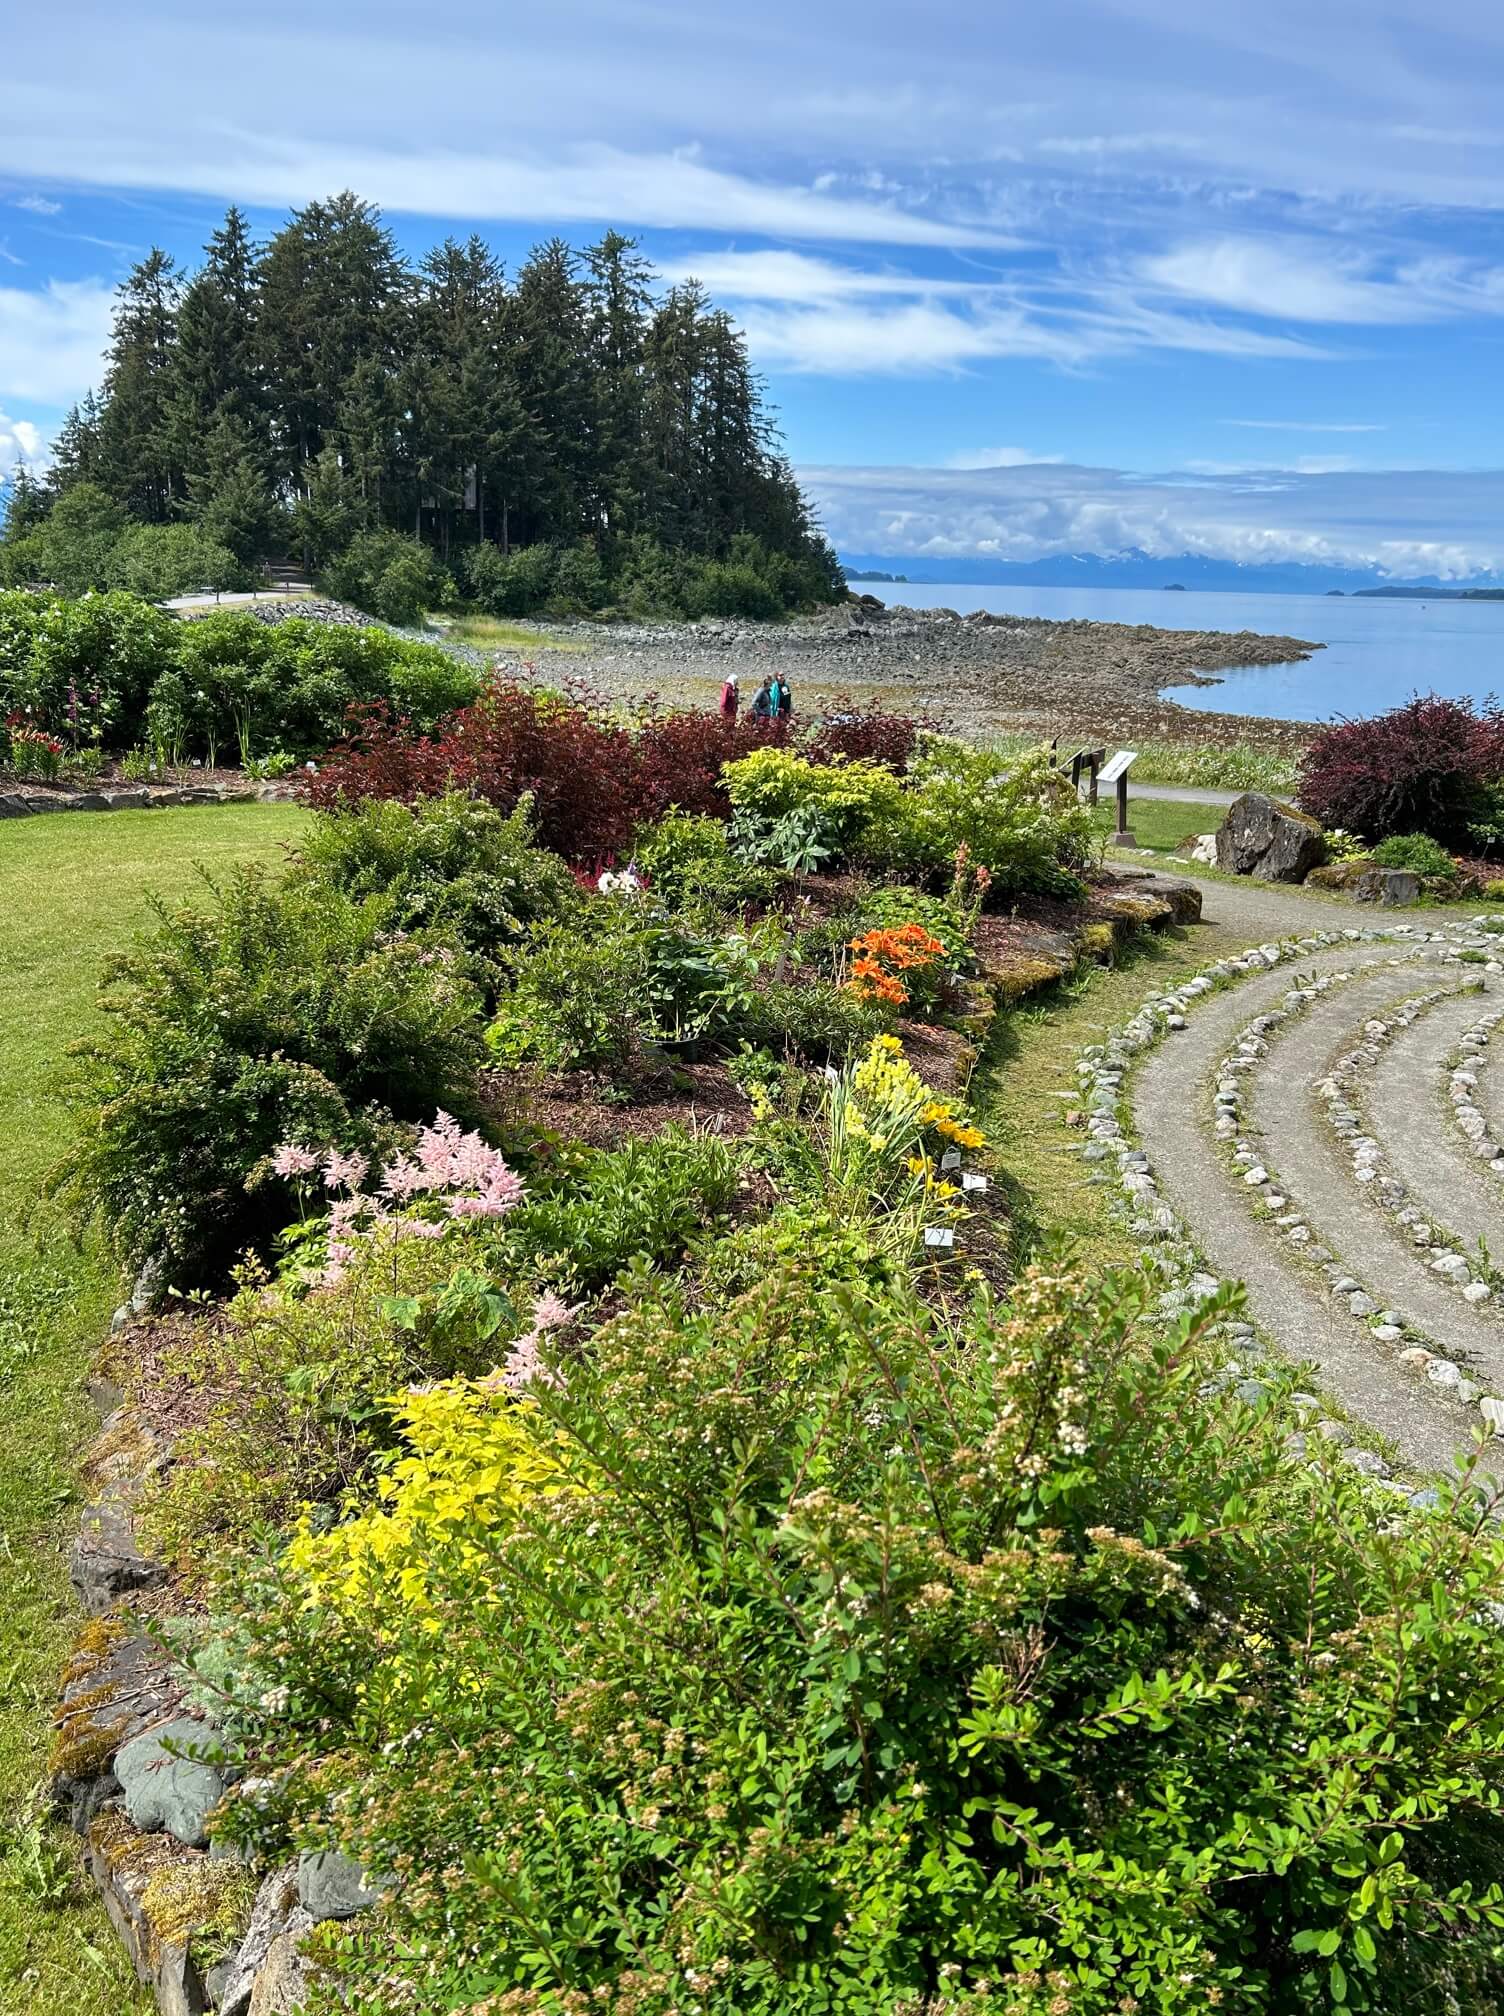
x=1334, y=1199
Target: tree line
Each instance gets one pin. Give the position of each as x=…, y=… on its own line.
x=572, y=432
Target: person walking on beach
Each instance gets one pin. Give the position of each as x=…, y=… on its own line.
x=785, y=699
x=775, y=697
x=731, y=699
x=762, y=704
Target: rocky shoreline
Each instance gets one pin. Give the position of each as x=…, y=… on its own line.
x=983, y=674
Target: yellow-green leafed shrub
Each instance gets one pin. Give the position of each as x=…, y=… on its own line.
x=1017, y=817
x=474, y=1454
x=800, y=815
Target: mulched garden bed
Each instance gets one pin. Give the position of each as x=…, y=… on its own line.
x=580, y=1106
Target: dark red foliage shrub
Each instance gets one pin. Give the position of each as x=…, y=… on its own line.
x=863, y=734
x=579, y=765
x=1421, y=768
x=680, y=754
x=379, y=756
x=592, y=779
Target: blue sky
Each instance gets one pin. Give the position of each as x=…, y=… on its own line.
x=1022, y=279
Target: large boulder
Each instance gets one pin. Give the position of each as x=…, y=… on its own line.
x=1262, y=837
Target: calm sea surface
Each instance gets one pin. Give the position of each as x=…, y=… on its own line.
x=1378, y=653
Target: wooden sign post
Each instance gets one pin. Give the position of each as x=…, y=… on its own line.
x=1116, y=772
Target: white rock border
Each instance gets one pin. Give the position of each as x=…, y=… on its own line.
x=1342, y=1093
x=1101, y=1071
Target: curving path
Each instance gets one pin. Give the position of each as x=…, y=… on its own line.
x=1408, y=1111
x=1289, y=1301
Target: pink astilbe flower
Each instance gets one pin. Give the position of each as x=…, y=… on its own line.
x=550, y=1312
x=403, y=1178
x=344, y=1172
x=292, y=1159
x=522, y=1367
x=420, y=1228
x=504, y=1191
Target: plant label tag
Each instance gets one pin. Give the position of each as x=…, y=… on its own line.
x=951, y=1159
x=971, y=1182
x=939, y=1235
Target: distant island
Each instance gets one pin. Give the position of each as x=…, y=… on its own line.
x=1341, y=591
x=1174, y=587
x=1436, y=594
x=872, y=574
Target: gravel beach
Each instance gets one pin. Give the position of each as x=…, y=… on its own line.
x=982, y=674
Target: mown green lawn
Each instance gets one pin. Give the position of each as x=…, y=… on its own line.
x=1162, y=823
x=72, y=888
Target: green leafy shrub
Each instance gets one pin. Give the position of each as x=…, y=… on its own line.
x=453, y=863
x=512, y=584
x=275, y=1014
x=388, y=575
x=647, y=1200
x=158, y=561
x=688, y=858
x=1017, y=818
x=242, y=687
x=806, y=1657
x=589, y=993
x=1419, y=853
x=115, y=646
x=575, y=999
x=801, y=815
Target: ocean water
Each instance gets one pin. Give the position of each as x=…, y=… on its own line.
x=1378, y=652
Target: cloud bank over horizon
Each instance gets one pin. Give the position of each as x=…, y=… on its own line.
x=1018, y=512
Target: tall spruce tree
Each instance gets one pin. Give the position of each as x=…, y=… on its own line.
x=216, y=365
x=136, y=438
x=334, y=297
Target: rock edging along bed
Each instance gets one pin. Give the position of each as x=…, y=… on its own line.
x=1361, y=1301
x=1103, y=1071
x=135, y=1768
x=139, y=798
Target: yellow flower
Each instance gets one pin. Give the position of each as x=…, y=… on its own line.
x=889, y=1043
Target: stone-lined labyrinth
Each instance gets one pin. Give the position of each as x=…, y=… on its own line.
x=1321, y=1120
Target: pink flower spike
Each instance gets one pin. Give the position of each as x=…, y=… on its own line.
x=522, y=1367
x=344, y=1172
x=550, y=1313
x=292, y=1159
x=402, y=1179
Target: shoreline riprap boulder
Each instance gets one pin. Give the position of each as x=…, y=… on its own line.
x=1262, y=837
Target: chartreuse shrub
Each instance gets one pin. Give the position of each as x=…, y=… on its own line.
x=452, y=862
x=801, y=815
x=810, y=1655
x=272, y=1012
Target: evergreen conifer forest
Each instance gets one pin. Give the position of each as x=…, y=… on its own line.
x=572, y=436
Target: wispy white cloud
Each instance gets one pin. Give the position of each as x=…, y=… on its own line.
x=1304, y=280
x=20, y=441
x=1312, y=426
x=1454, y=522
x=52, y=340
x=999, y=458
x=40, y=206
